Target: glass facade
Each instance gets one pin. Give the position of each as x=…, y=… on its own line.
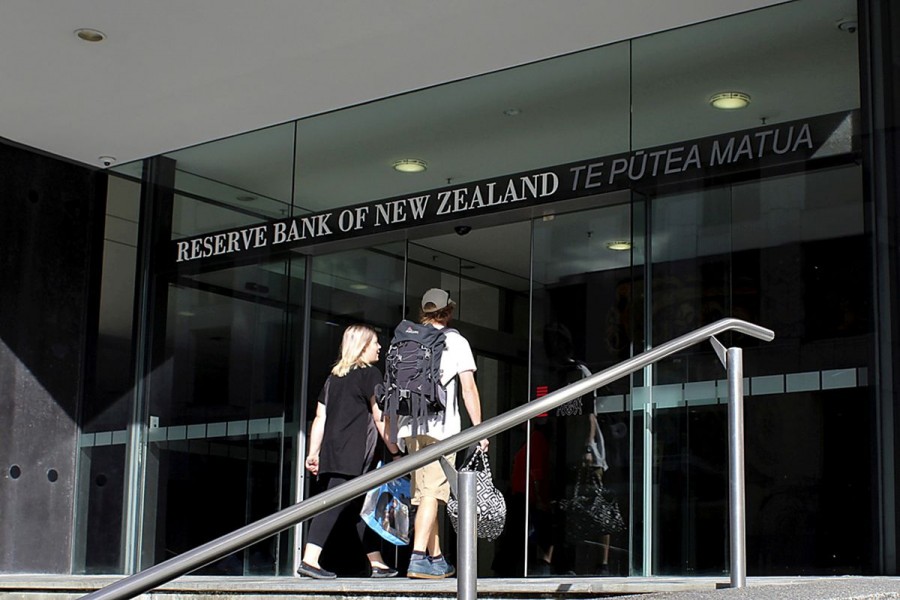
x=219, y=409
x=777, y=251
x=238, y=348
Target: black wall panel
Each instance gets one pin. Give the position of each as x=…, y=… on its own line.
x=51, y=228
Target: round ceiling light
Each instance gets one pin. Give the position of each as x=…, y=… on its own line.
x=730, y=100
x=90, y=35
x=619, y=245
x=410, y=165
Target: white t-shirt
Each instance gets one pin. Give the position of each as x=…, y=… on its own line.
x=456, y=358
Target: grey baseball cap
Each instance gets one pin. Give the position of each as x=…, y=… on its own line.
x=440, y=298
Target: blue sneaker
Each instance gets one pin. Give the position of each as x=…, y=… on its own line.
x=422, y=568
x=442, y=568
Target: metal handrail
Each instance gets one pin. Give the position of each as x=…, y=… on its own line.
x=191, y=560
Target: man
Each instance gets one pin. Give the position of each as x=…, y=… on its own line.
x=429, y=484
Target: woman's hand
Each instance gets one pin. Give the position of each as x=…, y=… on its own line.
x=312, y=464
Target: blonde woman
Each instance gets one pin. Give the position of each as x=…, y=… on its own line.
x=342, y=444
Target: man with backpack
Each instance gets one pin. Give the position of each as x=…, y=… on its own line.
x=421, y=402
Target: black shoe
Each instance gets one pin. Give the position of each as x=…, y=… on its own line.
x=603, y=570
x=382, y=572
x=314, y=572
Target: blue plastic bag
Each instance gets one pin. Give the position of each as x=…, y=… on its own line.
x=386, y=511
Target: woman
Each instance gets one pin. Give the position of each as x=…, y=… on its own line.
x=342, y=444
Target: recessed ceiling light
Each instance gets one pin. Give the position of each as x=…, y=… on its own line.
x=90, y=35
x=619, y=245
x=730, y=100
x=848, y=25
x=512, y=112
x=410, y=165
x=359, y=286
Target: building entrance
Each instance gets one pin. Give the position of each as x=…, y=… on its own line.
x=240, y=354
x=534, y=298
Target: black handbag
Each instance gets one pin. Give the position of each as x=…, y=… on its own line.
x=490, y=506
x=592, y=512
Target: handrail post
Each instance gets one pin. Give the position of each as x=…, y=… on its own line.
x=466, y=540
x=735, y=369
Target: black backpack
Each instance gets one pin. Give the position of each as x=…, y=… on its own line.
x=412, y=376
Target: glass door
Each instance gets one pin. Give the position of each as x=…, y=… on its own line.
x=544, y=302
x=360, y=286
x=582, y=323
x=220, y=403
x=486, y=272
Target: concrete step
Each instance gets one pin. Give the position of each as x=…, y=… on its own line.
x=833, y=588
x=64, y=587
x=58, y=587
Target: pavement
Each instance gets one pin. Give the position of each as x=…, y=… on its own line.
x=834, y=588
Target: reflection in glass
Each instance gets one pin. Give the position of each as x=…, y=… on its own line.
x=751, y=251
x=580, y=326
x=241, y=180
x=252, y=170
x=563, y=109
x=800, y=65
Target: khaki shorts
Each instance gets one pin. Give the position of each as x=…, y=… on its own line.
x=428, y=481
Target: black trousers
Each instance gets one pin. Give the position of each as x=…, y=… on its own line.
x=322, y=525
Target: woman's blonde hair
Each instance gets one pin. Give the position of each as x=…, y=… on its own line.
x=356, y=339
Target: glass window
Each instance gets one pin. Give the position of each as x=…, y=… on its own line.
x=545, y=297
x=547, y=113
x=109, y=400
x=784, y=252
x=237, y=181
x=790, y=59
x=220, y=395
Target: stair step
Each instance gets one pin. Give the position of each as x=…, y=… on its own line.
x=70, y=587
x=67, y=587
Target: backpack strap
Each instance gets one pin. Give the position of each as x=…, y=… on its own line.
x=390, y=409
x=456, y=390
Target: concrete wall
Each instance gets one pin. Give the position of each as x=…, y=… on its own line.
x=51, y=220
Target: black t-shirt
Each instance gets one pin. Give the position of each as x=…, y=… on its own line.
x=348, y=443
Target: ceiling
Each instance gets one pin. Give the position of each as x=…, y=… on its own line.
x=172, y=74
